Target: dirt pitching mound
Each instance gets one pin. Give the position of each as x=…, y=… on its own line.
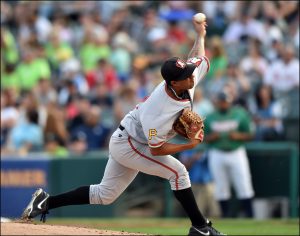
x=16, y=228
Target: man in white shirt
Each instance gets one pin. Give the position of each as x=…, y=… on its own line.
x=283, y=74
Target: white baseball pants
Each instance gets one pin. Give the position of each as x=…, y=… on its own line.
x=231, y=167
x=126, y=158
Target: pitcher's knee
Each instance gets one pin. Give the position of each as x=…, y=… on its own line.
x=102, y=195
x=180, y=179
x=108, y=200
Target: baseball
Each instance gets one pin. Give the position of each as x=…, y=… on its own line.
x=199, y=17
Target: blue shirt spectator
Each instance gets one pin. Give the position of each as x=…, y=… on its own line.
x=92, y=132
x=94, y=136
x=199, y=171
x=28, y=135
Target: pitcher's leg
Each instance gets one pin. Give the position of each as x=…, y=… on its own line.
x=115, y=180
x=166, y=167
x=169, y=168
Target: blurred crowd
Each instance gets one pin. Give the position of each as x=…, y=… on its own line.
x=70, y=71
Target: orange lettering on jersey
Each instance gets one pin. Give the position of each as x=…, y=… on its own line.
x=152, y=133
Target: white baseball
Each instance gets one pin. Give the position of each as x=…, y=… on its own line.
x=199, y=17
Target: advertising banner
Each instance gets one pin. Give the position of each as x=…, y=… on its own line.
x=19, y=179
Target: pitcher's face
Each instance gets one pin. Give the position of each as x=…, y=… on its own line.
x=186, y=84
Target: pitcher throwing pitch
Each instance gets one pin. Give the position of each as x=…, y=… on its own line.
x=141, y=143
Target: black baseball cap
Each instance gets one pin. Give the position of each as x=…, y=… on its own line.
x=175, y=69
x=224, y=97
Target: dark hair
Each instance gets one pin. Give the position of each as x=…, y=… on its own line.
x=32, y=116
x=258, y=97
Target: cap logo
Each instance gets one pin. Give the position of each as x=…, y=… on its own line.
x=181, y=64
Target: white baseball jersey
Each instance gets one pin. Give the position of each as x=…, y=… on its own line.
x=148, y=125
x=151, y=121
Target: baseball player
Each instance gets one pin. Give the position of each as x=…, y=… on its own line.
x=226, y=131
x=141, y=143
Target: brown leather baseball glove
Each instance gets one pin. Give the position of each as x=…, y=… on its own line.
x=189, y=125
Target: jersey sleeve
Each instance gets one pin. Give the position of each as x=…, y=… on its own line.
x=202, y=67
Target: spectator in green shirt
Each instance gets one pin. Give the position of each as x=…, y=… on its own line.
x=218, y=59
x=9, y=51
x=9, y=77
x=32, y=69
x=92, y=50
x=58, y=52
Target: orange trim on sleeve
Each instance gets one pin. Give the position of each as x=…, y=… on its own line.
x=156, y=144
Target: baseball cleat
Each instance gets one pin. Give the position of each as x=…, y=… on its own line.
x=207, y=230
x=38, y=205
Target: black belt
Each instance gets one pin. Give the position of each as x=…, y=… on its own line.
x=121, y=127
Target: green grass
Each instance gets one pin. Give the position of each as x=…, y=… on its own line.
x=179, y=226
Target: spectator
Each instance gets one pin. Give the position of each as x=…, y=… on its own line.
x=55, y=148
x=34, y=24
x=152, y=28
x=75, y=111
x=28, y=102
x=40, y=62
x=9, y=77
x=61, y=27
x=202, y=181
x=101, y=97
x=176, y=32
x=202, y=105
x=121, y=59
x=9, y=115
x=67, y=92
x=45, y=93
x=57, y=52
x=55, y=127
x=26, y=136
x=218, y=59
x=283, y=74
x=92, y=131
x=31, y=69
x=244, y=27
x=9, y=50
x=125, y=102
x=267, y=118
x=239, y=86
x=42, y=25
x=71, y=70
x=103, y=73
x=93, y=48
x=219, y=14
x=6, y=13
x=273, y=31
x=179, y=38
x=237, y=82
x=253, y=64
x=226, y=131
